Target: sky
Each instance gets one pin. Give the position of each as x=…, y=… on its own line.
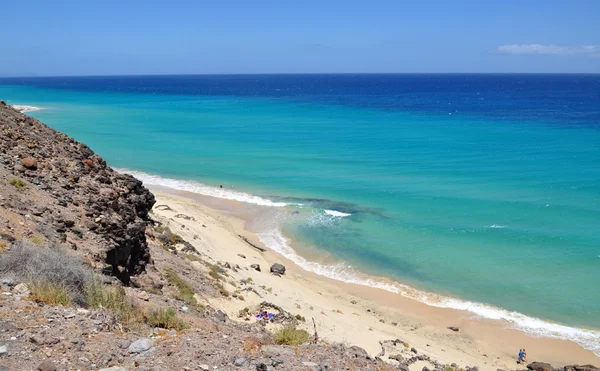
x=130, y=37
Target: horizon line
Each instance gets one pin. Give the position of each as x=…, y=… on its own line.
x=304, y=73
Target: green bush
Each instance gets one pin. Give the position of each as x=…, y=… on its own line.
x=289, y=335
x=18, y=183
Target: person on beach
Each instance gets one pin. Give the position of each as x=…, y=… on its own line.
x=524, y=355
x=520, y=356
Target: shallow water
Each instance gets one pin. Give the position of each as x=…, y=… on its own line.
x=484, y=188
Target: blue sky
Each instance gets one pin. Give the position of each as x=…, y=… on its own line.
x=187, y=37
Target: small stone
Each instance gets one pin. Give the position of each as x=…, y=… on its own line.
x=415, y=352
x=256, y=267
x=3, y=368
x=38, y=340
x=69, y=315
x=124, y=344
x=140, y=345
x=29, y=163
x=113, y=368
x=22, y=290
x=242, y=256
x=353, y=301
x=143, y=295
x=46, y=366
x=205, y=367
x=20, y=168
x=262, y=367
x=310, y=364
x=3, y=350
x=239, y=362
x=454, y=328
x=8, y=282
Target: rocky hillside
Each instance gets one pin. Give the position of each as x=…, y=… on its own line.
x=55, y=190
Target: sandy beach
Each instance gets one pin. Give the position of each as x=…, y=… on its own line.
x=347, y=313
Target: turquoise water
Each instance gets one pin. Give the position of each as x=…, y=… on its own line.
x=502, y=211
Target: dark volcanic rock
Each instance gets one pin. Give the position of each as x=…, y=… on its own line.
x=540, y=366
x=581, y=368
x=278, y=268
x=108, y=209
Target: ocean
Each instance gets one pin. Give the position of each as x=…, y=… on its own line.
x=476, y=192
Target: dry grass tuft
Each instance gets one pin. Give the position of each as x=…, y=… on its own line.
x=165, y=318
x=289, y=335
x=18, y=183
x=44, y=291
x=186, y=291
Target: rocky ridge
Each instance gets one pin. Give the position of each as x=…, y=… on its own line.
x=69, y=196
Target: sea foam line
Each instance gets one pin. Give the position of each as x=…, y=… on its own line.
x=589, y=339
x=336, y=213
x=24, y=109
x=203, y=189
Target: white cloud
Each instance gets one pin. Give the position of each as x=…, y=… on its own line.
x=550, y=49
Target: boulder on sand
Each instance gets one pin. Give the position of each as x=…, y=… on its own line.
x=278, y=269
x=540, y=366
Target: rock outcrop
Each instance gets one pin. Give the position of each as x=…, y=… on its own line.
x=57, y=190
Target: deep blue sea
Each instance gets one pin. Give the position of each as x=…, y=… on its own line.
x=478, y=192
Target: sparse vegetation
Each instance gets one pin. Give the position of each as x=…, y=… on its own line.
x=249, y=280
x=18, y=183
x=186, y=291
x=195, y=236
x=44, y=291
x=48, y=268
x=289, y=335
x=311, y=308
x=222, y=289
x=165, y=318
x=114, y=300
x=300, y=318
x=214, y=273
x=37, y=240
x=338, y=311
x=193, y=258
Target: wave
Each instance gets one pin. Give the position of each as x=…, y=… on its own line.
x=336, y=213
x=203, y=189
x=589, y=339
x=497, y=226
x=25, y=109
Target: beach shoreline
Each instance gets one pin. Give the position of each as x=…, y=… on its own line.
x=346, y=312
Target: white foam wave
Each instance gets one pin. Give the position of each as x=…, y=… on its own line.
x=25, y=109
x=336, y=213
x=203, y=189
x=497, y=226
x=589, y=339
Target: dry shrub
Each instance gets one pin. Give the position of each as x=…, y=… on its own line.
x=165, y=318
x=113, y=299
x=251, y=345
x=290, y=335
x=43, y=291
x=47, y=267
